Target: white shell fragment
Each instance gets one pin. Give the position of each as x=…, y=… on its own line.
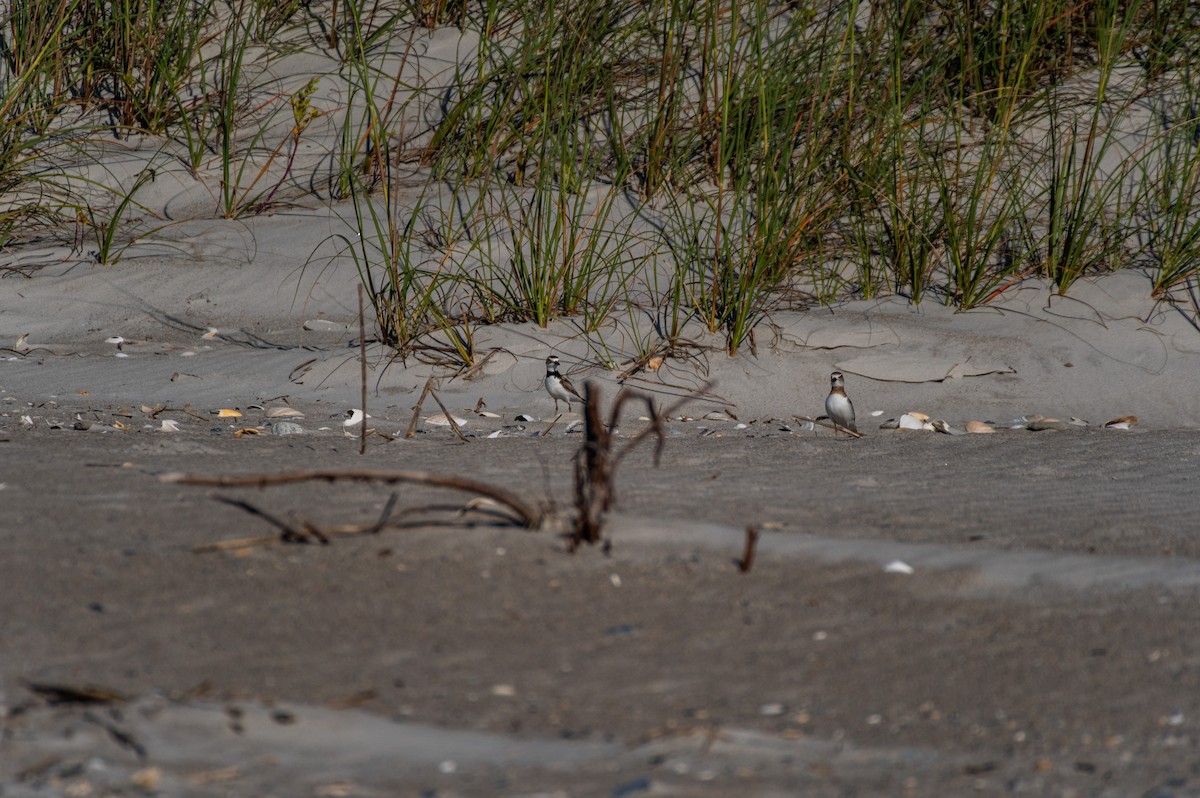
x=169, y=425
x=210, y=333
x=356, y=417
x=525, y=417
x=116, y=339
x=915, y=421
x=441, y=421
x=488, y=414
x=876, y=413
x=898, y=567
x=1124, y=422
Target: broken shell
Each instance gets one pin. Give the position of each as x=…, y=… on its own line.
x=941, y=426
x=210, y=333
x=488, y=414
x=653, y=363
x=356, y=417
x=980, y=427
x=169, y=425
x=228, y=412
x=282, y=412
x=898, y=567
x=116, y=339
x=918, y=414
x=914, y=422
x=238, y=433
x=524, y=417
x=441, y=421
x=1124, y=422
x=891, y=423
x=1044, y=424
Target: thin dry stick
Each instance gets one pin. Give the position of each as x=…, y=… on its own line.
x=378, y=526
x=412, y=423
x=362, y=353
x=524, y=514
x=596, y=461
x=747, y=561
x=287, y=532
x=831, y=425
x=450, y=418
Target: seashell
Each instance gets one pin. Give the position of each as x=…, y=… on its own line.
x=497, y=434
x=210, y=333
x=918, y=414
x=653, y=363
x=239, y=433
x=116, y=339
x=525, y=417
x=876, y=413
x=227, y=412
x=909, y=421
x=1124, y=422
x=941, y=426
x=980, y=427
x=441, y=421
x=1078, y=422
x=891, y=423
x=740, y=426
x=574, y=425
x=356, y=417
x=488, y=414
x=898, y=567
x=121, y=354
x=21, y=344
x=284, y=412
x=169, y=425
x=1044, y=424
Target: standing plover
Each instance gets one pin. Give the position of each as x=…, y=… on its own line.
x=837, y=404
x=558, y=386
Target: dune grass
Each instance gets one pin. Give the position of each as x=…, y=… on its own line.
x=683, y=160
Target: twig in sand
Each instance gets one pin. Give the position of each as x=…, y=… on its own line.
x=831, y=425
x=596, y=461
x=412, y=422
x=287, y=532
x=362, y=359
x=449, y=417
x=747, y=561
x=524, y=514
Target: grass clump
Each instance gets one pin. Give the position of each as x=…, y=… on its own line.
x=692, y=161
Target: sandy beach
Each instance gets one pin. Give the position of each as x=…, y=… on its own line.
x=924, y=613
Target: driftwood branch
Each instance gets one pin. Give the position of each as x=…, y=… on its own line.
x=596, y=462
x=524, y=514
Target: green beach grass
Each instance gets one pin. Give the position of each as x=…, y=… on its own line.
x=674, y=160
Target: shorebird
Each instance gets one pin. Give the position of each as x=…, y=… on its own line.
x=558, y=386
x=837, y=404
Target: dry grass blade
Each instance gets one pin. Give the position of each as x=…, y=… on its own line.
x=524, y=514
